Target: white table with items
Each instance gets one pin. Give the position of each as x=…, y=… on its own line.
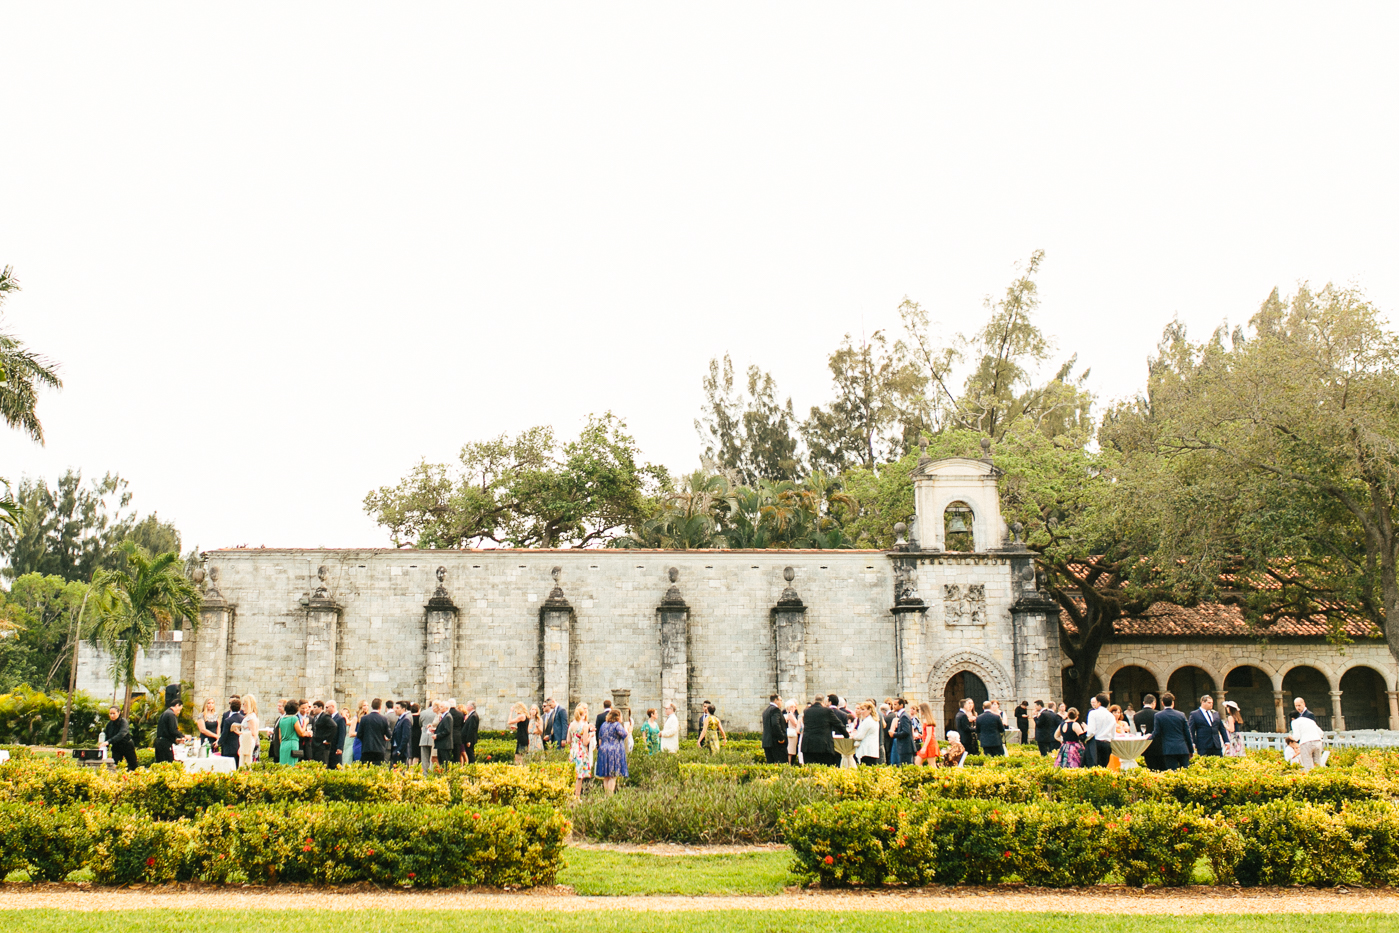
x=1128, y=747
x=196, y=763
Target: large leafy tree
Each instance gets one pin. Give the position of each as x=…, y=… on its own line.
x=879, y=407
x=1278, y=451
x=22, y=374
x=39, y=615
x=146, y=597
x=73, y=529
x=526, y=491
x=751, y=435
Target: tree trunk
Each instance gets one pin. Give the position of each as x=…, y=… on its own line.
x=130, y=675
x=73, y=673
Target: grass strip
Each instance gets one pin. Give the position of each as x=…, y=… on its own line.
x=593, y=872
x=608, y=920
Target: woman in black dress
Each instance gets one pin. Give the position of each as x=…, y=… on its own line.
x=519, y=719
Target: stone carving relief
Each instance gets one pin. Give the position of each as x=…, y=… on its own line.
x=905, y=592
x=964, y=605
x=441, y=591
x=322, y=590
x=213, y=591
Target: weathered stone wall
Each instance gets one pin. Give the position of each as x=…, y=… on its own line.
x=95, y=673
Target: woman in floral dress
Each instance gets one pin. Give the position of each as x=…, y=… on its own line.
x=712, y=736
x=1070, y=735
x=580, y=746
x=612, y=750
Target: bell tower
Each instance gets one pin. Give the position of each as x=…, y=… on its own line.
x=955, y=499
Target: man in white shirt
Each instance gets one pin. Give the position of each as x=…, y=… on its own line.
x=670, y=732
x=1101, y=727
x=1310, y=740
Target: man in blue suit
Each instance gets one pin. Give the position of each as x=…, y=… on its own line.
x=1207, y=730
x=556, y=723
x=1172, y=732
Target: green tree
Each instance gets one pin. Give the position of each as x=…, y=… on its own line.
x=753, y=434
x=878, y=411
x=22, y=373
x=74, y=529
x=147, y=595
x=40, y=613
x=1280, y=453
x=527, y=491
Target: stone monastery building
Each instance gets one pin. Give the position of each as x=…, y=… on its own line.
x=731, y=627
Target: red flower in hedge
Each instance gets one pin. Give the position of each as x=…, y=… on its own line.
x=475, y=816
x=305, y=848
x=150, y=861
x=412, y=875
x=371, y=851
x=830, y=861
x=1007, y=855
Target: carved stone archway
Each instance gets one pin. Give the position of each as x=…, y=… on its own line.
x=999, y=684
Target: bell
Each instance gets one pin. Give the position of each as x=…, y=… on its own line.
x=956, y=521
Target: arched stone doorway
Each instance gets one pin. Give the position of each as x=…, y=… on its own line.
x=1130, y=684
x=963, y=685
x=1252, y=689
x=1364, y=699
x=1189, y=684
x=1311, y=685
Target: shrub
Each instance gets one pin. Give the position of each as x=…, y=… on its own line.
x=715, y=813
x=130, y=849
x=54, y=841
x=1284, y=842
x=1158, y=843
x=1061, y=845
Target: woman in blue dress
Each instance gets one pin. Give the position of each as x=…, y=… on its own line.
x=612, y=750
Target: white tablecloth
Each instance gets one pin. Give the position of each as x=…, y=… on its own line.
x=4, y=755
x=216, y=763
x=1128, y=749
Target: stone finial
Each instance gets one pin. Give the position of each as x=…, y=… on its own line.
x=556, y=596
x=899, y=529
x=672, y=596
x=322, y=590
x=441, y=591
x=1017, y=530
x=789, y=595
x=986, y=448
x=923, y=458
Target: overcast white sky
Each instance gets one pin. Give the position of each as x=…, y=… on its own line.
x=282, y=251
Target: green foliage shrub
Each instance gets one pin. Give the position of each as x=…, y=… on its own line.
x=32, y=717
x=702, y=814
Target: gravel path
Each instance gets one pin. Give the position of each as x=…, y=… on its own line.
x=1107, y=899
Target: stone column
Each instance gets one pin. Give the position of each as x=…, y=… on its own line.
x=909, y=614
x=555, y=649
x=210, y=647
x=789, y=642
x=322, y=640
x=1034, y=618
x=1338, y=721
x=1280, y=724
x=439, y=642
x=673, y=621
x=621, y=702
x=1393, y=709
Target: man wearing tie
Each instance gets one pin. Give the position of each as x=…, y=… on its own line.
x=1207, y=730
x=1145, y=723
x=1172, y=732
x=1046, y=721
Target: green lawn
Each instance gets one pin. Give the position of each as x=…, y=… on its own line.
x=615, y=873
x=609, y=920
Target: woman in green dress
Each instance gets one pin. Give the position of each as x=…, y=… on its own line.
x=651, y=733
x=286, y=732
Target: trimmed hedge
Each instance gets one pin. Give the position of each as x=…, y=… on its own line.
x=1051, y=844
x=333, y=843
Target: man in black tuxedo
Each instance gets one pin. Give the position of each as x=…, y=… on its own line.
x=403, y=747
x=833, y=700
x=442, y=740
x=901, y=735
x=886, y=741
x=1046, y=721
x=454, y=712
x=1207, y=730
x=607, y=705
x=167, y=732
x=470, y=731
x=1145, y=723
x=1022, y=721
x=337, y=749
x=774, y=732
x=819, y=725
x=374, y=734
x=322, y=733
x=1172, y=731
x=228, y=739
x=991, y=729
x=965, y=724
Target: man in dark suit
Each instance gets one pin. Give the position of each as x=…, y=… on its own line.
x=1145, y=723
x=322, y=733
x=454, y=713
x=403, y=747
x=819, y=725
x=991, y=729
x=774, y=732
x=1046, y=721
x=167, y=732
x=470, y=731
x=443, y=741
x=833, y=700
x=1022, y=721
x=607, y=705
x=374, y=734
x=558, y=723
x=901, y=735
x=886, y=741
x=337, y=749
x=1207, y=730
x=1172, y=731
x=228, y=739
x=1300, y=705
x=965, y=724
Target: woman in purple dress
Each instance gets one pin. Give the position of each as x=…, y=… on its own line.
x=612, y=750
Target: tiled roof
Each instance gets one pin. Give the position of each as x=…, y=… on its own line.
x=1216, y=620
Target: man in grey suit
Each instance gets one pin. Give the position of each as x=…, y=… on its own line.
x=426, y=720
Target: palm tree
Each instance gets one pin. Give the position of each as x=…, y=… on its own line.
x=21, y=374
x=147, y=595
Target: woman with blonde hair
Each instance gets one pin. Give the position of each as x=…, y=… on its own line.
x=208, y=723
x=580, y=746
x=536, y=730
x=247, y=731
x=519, y=721
x=866, y=735
x=929, y=752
